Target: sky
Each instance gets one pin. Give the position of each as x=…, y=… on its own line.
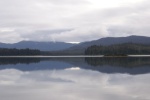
x=72, y=20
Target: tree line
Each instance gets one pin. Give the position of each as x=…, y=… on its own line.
x=16, y=52
x=118, y=49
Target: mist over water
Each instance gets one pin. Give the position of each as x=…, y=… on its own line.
x=75, y=78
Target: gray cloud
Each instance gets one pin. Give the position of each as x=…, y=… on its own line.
x=46, y=35
x=69, y=2
x=30, y=17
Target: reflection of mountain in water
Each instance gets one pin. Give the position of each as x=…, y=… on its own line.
x=30, y=64
x=107, y=65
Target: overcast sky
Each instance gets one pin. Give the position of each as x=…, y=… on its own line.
x=72, y=20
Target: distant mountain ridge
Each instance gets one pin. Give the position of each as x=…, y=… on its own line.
x=43, y=46
x=77, y=48
x=80, y=48
x=114, y=40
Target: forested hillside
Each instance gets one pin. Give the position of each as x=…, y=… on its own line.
x=118, y=49
x=16, y=52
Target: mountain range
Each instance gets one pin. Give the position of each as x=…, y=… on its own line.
x=43, y=46
x=114, y=40
x=69, y=47
x=80, y=48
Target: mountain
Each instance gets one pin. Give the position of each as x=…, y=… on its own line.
x=80, y=48
x=44, y=46
x=114, y=40
x=68, y=48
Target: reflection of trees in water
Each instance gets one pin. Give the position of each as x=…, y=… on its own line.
x=21, y=60
x=5, y=61
x=116, y=61
x=110, y=65
x=119, y=61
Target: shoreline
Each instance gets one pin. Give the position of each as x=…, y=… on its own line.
x=43, y=56
x=69, y=56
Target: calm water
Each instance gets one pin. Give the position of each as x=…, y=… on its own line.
x=75, y=78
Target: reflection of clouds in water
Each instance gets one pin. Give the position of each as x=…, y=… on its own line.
x=73, y=68
x=72, y=85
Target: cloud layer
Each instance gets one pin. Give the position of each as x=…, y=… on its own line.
x=72, y=20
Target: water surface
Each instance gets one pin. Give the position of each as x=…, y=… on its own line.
x=75, y=78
